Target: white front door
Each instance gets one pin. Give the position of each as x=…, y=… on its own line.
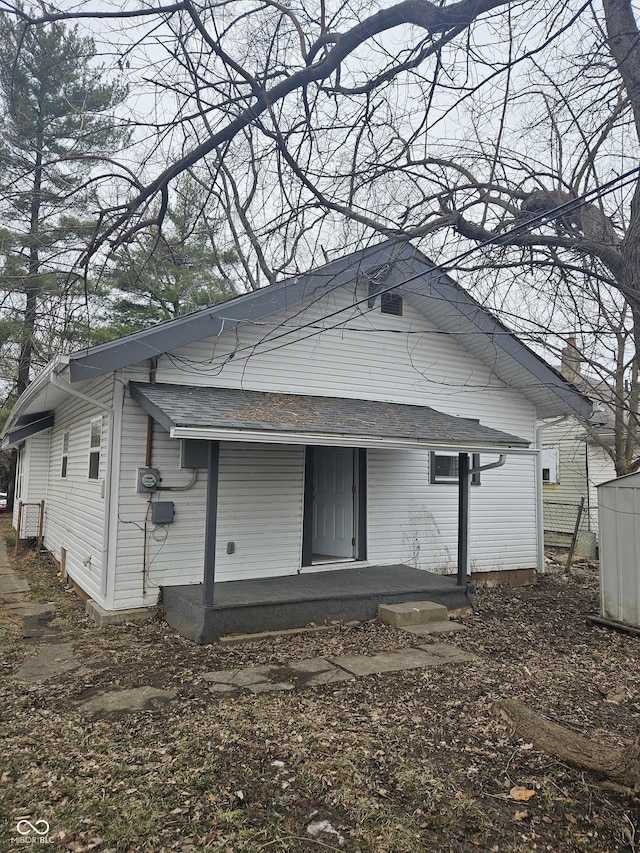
x=333, y=502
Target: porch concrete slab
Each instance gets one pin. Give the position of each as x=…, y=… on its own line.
x=295, y=601
x=400, y=659
x=412, y=613
x=447, y=627
x=128, y=701
x=49, y=662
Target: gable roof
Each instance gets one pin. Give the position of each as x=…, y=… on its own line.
x=395, y=264
x=228, y=413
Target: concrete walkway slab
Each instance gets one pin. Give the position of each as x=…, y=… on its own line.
x=392, y=661
x=258, y=679
x=400, y=659
x=293, y=676
x=49, y=662
x=128, y=701
x=441, y=653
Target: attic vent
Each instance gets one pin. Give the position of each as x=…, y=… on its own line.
x=391, y=303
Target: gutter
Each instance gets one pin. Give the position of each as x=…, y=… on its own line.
x=338, y=440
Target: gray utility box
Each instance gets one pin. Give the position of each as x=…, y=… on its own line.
x=162, y=512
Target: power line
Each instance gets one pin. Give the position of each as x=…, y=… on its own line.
x=442, y=270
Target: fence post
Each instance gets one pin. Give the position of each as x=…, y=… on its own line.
x=40, y=525
x=18, y=528
x=574, y=539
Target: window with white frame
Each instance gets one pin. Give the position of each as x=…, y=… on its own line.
x=444, y=468
x=95, y=440
x=549, y=460
x=65, y=454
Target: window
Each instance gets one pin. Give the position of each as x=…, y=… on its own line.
x=444, y=468
x=94, y=448
x=549, y=460
x=65, y=454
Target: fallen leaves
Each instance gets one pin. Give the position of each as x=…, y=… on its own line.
x=521, y=794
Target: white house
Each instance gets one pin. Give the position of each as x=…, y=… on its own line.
x=315, y=424
x=575, y=461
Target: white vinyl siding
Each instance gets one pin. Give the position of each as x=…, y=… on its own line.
x=31, y=483
x=582, y=466
x=260, y=497
x=75, y=504
x=601, y=469
x=414, y=522
x=373, y=356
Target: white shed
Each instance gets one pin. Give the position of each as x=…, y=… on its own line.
x=619, y=526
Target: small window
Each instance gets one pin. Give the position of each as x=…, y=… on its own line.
x=444, y=468
x=549, y=460
x=391, y=303
x=94, y=448
x=65, y=454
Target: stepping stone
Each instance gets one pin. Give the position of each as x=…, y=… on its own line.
x=441, y=653
x=448, y=627
x=254, y=678
x=400, y=659
x=293, y=676
x=128, y=701
x=49, y=662
x=412, y=613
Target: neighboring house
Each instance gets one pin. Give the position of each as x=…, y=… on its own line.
x=316, y=423
x=574, y=464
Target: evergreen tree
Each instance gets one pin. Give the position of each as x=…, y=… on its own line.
x=164, y=275
x=55, y=126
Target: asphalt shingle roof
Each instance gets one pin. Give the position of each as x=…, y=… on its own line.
x=233, y=409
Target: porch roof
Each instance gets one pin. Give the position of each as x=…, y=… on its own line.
x=231, y=414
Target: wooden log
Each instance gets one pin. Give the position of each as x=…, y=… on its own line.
x=618, y=762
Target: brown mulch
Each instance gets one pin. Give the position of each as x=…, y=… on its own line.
x=408, y=761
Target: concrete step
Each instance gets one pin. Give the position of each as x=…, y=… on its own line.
x=448, y=627
x=412, y=613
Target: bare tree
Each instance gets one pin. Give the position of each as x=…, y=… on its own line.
x=512, y=127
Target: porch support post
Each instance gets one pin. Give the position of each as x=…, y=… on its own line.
x=463, y=518
x=307, y=513
x=362, y=504
x=211, y=523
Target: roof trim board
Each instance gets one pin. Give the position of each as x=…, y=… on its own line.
x=27, y=426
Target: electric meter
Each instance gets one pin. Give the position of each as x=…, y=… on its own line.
x=148, y=480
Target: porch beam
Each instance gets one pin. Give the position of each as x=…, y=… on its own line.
x=463, y=518
x=211, y=523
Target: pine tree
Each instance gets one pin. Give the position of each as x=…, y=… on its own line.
x=55, y=126
x=164, y=275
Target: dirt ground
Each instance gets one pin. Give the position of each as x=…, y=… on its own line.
x=400, y=762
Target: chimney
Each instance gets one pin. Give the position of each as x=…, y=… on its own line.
x=571, y=359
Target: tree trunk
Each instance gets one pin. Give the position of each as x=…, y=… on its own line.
x=619, y=763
